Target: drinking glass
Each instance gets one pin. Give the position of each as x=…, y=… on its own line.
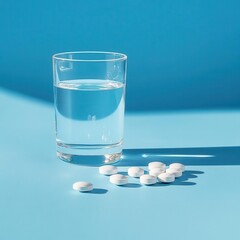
x=89, y=100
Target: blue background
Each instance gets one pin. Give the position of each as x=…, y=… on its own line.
x=182, y=54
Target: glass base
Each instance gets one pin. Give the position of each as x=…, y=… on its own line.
x=89, y=155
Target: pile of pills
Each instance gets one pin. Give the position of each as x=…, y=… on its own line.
x=157, y=172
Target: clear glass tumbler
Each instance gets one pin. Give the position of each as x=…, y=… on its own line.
x=89, y=96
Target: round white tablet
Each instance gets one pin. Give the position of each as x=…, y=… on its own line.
x=83, y=186
x=135, y=172
x=152, y=165
x=166, y=177
x=175, y=172
x=147, y=179
x=177, y=166
x=108, y=170
x=156, y=171
x=119, y=179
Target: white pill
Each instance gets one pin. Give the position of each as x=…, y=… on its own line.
x=175, y=172
x=147, y=179
x=156, y=171
x=152, y=165
x=83, y=186
x=119, y=179
x=166, y=177
x=108, y=170
x=135, y=172
x=177, y=166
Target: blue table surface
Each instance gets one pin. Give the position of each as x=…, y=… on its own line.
x=37, y=200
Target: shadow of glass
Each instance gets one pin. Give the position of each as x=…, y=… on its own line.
x=187, y=156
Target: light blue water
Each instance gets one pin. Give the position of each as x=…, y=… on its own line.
x=89, y=112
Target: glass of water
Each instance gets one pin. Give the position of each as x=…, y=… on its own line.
x=89, y=96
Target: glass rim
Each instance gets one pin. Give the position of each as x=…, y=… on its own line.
x=121, y=57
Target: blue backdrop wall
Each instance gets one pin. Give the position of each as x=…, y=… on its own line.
x=182, y=53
